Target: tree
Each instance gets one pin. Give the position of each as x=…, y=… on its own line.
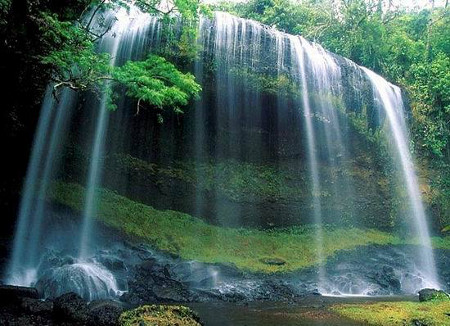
x=72, y=57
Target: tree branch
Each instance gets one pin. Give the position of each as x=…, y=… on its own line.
x=88, y=26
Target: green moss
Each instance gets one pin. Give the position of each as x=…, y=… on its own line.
x=191, y=238
x=281, y=85
x=238, y=181
x=441, y=242
x=433, y=295
x=398, y=313
x=159, y=315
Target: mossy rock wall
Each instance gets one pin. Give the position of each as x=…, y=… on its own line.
x=238, y=156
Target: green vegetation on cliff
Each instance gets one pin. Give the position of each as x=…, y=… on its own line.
x=192, y=239
x=409, y=46
x=234, y=179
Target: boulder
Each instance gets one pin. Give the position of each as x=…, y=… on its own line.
x=13, y=294
x=152, y=282
x=36, y=306
x=104, y=313
x=71, y=307
x=433, y=295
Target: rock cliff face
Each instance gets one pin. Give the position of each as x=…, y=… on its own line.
x=238, y=156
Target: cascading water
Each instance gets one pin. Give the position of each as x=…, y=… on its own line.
x=110, y=43
x=300, y=57
x=84, y=276
x=239, y=64
x=320, y=78
x=49, y=136
x=390, y=98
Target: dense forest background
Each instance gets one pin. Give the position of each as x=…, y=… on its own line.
x=410, y=47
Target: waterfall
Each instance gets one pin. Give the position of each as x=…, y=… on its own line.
x=298, y=53
x=49, y=136
x=268, y=98
x=245, y=44
x=391, y=99
x=125, y=39
x=109, y=43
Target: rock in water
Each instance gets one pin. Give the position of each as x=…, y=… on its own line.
x=433, y=295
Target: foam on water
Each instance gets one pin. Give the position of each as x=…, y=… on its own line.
x=89, y=279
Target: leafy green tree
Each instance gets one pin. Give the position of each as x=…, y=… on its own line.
x=431, y=93
x=157, y=82
x=71, y=54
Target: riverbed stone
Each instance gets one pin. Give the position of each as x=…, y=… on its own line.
x=433, y=295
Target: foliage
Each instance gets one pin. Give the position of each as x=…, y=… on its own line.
x=238, y=181
x=72, y=55
x=281, y=85
x=192, y=239
x=431, y=89
x=4, y=9
x=159, y=315
x=397, y=313
x=433, y=295
x=76, y=63
x=157, y=82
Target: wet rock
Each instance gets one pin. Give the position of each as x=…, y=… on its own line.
x=152, y=282
x=71, y=307
x=433, y=295
x=52, y=259
x=380, y=270
x=388, y=279
x=36, y=306
x=113, y=264
x=104, y=312
x=410, y=283
x=193, y=273
x=11, y=293
x=90, y=280
x=171, y=291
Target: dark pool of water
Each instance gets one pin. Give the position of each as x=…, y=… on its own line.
x=311, y=311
